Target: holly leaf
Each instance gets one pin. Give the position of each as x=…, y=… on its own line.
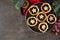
x=19, y=4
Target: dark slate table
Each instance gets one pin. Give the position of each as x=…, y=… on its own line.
x=13, y=26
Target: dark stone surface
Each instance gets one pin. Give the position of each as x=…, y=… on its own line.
x=13, y=26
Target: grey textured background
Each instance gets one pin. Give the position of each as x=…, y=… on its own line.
x=13, y=26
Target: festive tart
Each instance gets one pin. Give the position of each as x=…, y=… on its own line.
x=46, y=7
x=41, y=16
x=33, y=10
x=51, y=19
x=31, y=21
x=43, y=27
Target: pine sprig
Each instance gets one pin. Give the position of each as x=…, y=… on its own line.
x=56, y=7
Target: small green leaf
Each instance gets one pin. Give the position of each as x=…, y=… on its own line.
x=19, y=4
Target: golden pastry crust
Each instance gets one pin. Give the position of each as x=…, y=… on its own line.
x=26, y=4
x=34, y=8
x=46, y=8
x=46, y=27
x=41, y=14
x=51, y=18
x=32, y=21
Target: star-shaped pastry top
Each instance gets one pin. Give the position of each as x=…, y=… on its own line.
x=32, y=21
x=45, y=8
x=33, y=10
x=51, y=18
x=41, y=16
x=43, y=26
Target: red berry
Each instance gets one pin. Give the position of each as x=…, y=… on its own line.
x=56, y=33
x=34, y=1
x=24, y=10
